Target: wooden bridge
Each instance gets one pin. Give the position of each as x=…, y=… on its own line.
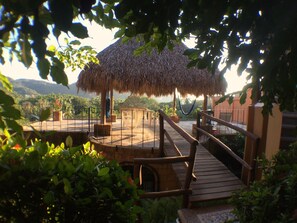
x=202, y=177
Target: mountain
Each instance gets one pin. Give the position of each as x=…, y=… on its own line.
x=31, y=87
x=43, y=87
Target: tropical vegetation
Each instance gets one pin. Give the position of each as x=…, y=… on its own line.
x=41, y=182
x=274, y=198
x=253, y=34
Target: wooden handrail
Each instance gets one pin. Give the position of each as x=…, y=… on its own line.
x=184, y=134
x=244, y=132
x=188, y=160
x=226, y=148
x=253, y=137
x=162, y=160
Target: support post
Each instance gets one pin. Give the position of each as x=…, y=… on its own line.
x=111, y=102
x=161, y=125
x=103, y=107
x=204, y=109
x=198, y=125
x=174, y=102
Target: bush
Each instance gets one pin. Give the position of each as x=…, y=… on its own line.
x=44, y=183
x=235, y=142
x=162, y=210
x=273, y=199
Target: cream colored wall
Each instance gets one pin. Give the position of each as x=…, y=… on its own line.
x=273, y=133
x=268, y=129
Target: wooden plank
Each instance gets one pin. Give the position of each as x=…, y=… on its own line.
x=195, y=186
x=214, y=179
x=217, y=176
x=214, y=172
x=208, y=197
x=216, y=189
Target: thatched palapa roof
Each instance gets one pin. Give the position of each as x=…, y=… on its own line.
x=153, y=74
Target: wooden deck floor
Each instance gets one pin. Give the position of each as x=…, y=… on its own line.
x=214, y=180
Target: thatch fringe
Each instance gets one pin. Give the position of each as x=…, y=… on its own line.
x=152, y=74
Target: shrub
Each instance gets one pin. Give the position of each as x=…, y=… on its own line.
x=235, y=142
x=273, y=199
x=162, y=210
x=45, y=183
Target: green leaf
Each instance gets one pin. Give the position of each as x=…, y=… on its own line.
x=221, y=99
x=6, y=100
x=56, y=32
x=74, y=150
x=39, y=47
x=230, y=99
x=189, y=52
x=43, y=66
x=75, y=42
x=119, y=33
x=45, y=17
x=12, y=124
x=36, y=132
x=44, y=114
x=192, y=63
x=55, y=180
x=103, y=171
x=11, y=112
x=57, y=72
x=79, y=31
x=243, y=98
x=42, y=149
x=62, y=13
x=49, y=197
x=5, y=82
x=69, y=141
x=26, y=53
x=67, y=186
x=5, y=37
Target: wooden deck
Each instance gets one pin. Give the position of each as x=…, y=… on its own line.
x=214, y=180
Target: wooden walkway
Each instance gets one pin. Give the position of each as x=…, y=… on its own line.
x=214, y=180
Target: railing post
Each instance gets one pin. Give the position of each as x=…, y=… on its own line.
x=189, y=173
x=198, y=125
x=89, y=119
x=254, y=163
x=161, y=124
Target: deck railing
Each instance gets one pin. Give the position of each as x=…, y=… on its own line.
x=131, y=128
x=77, y=119
x=248, y=172
x=188, y=160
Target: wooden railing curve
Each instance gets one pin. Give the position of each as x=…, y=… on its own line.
x=188, y=160
x=248, y=168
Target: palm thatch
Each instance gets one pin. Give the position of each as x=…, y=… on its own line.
x=152, y=74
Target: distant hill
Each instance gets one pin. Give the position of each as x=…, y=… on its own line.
x=43, y=87
x=31, y=87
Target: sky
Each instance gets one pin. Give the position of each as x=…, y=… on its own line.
x=99, y=39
